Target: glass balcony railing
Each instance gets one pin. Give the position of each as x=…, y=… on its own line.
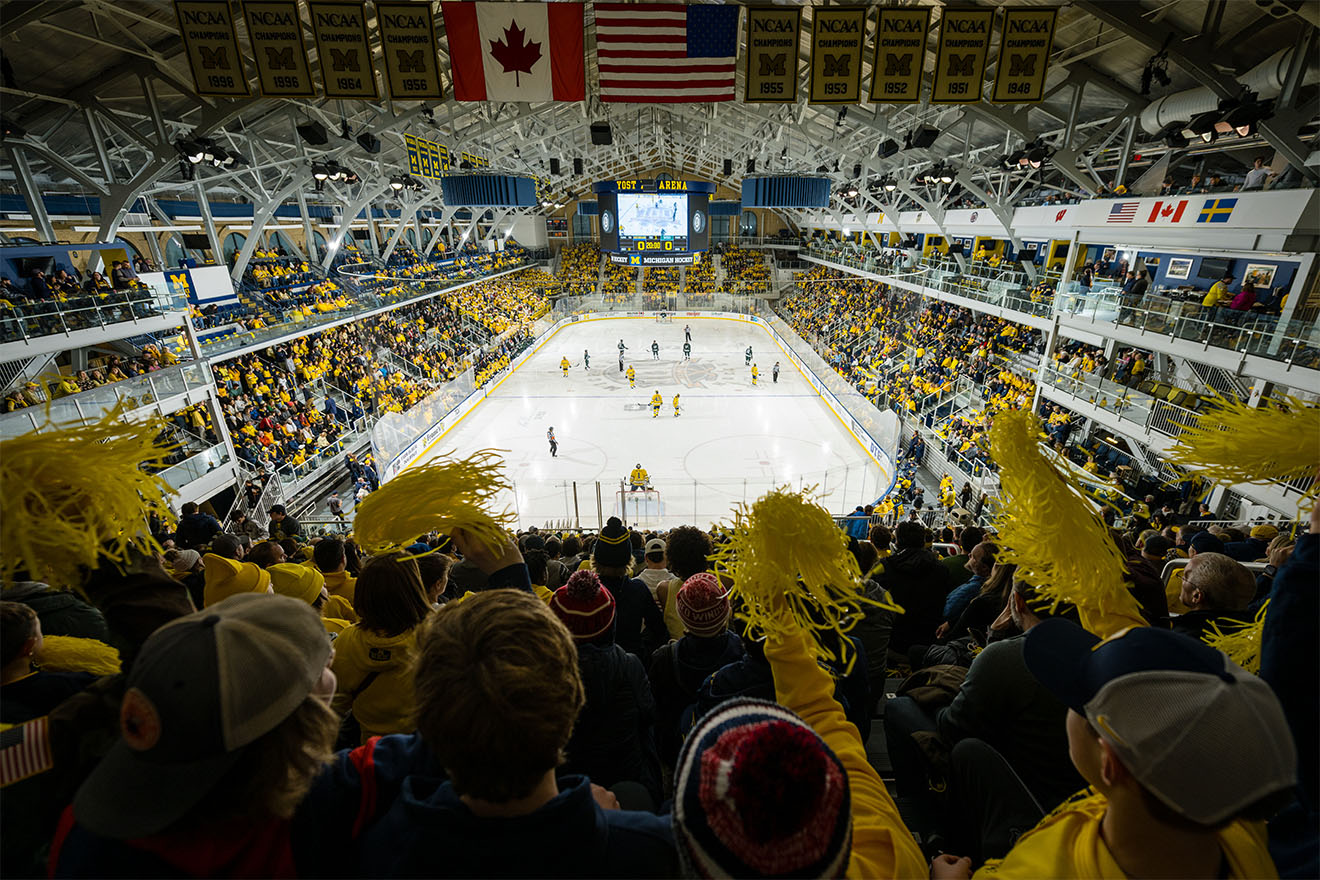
x=1142, y=410
x=195, y=467
x=22, y=321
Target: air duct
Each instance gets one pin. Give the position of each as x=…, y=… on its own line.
x=1265, y=79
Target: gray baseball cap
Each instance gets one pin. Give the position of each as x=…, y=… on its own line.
x=203, y=687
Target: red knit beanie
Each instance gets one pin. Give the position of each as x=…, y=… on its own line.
x=584, y=605
x=703, y=605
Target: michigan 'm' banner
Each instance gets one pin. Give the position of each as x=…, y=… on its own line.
x=342, y=48
x=1024, y=53
x=963, y=47
x=407, y=42
x=772, y=54
x=209, y=41
x=900, y=54
x=837, y=34
x=275, y=31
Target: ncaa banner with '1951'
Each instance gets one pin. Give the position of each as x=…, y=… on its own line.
x=275, y=32
x=900, y=54
x=209, y=41
x=960, y=65
x=772, y=54
x=407, y=42
x=342, y=48
x=1024, y=53
x=837, y=34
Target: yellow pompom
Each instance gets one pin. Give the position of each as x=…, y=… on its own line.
x=1233, y=443
x=440, y=496
x=1050, y=531
x=75, y=494
x=73, y=654
x=785, y=549
x=1240, y=641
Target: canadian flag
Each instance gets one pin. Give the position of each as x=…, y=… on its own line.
x=1167, y=212
x=516, y=51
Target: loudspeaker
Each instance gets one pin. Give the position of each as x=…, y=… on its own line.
x=857, y=171
x=751, y=166
x=601, y=135
x=554, y=166
x=369, y=142
x=577, y=166
x=924, y=136
x=886, y=149
x=728, y=167
x=314, y=133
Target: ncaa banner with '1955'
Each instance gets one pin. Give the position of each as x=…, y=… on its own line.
x=275, y=31
x=1024, y=54
x=960, y=65
x=900, y=54
x=211, y=45
x=837, y=35
x=772, y=54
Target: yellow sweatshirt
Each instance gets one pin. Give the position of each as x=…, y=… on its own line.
x=340, y=583
x=386, y=705
x=882, y=846
x=1067, y=843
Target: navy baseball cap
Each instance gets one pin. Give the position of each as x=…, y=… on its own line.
x=1204, y=542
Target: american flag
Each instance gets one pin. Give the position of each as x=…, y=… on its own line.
x=666, y=52
x=24, y=751
x=1122, y=212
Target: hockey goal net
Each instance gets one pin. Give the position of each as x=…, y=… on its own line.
x=663, y=318
x=639, y=506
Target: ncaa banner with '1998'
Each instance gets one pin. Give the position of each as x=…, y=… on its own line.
x=211, y=45
x=772, y=54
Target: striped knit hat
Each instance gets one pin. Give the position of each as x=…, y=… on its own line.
x=613, y=544
x=758, y=792
x=703, y=605
x=584, y=605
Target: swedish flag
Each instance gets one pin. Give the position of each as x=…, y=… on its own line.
x=1216, y=210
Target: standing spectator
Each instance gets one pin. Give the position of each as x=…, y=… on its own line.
x=654, y=572
x=1216, y=298
x=1257, y=176
x=195, y=527
x=640, y=625
x=918, y=584
x=282, y=525
x=26, y=690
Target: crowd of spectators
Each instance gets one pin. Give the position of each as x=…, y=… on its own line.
x=579, y=269
x=619, y=284
x=101, y=371
x=745, y=270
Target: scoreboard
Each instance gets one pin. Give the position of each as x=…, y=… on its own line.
x=654, y=222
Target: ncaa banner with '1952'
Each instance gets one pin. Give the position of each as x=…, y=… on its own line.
x=407, y=42
x=342, y=48
x=209, y=41
x=960, y=65
x=837, y=34
x=1024, y=54
x=772, y=54
x=275, y=32
x=900, y=54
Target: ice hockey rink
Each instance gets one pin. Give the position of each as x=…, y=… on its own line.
x=731, y=441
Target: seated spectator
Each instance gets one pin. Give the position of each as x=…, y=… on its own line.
x=204, y=778
x=331, y=559
x=919, y=585
x=195, y=527
x=229, y=577
x=980, y=562
x=1215, y=589
x=639, y=626
x=957, y=564
x=687, y=551
x=26, y=690
x=1255, y=546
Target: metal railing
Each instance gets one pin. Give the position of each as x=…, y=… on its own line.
x=1126, y=403
x=196, y=466
x=33, y=320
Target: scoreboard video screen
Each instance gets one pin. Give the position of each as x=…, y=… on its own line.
x=654, y=222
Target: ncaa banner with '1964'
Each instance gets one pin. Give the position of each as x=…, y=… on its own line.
x=407, y=42
x=1024, y=53
x=772, y=54
x=342, y=48
x=960, y=65
x=211, y=45
x=837, y=34
x=900, y=54
x=275, y=32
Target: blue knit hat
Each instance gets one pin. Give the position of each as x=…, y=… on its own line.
x=758, y=792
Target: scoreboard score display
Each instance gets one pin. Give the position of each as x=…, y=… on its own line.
x=654, y=222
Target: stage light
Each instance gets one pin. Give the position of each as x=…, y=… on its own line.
x=890, y=184
x=396, y=183
x=320, y=172
x=1202, y=126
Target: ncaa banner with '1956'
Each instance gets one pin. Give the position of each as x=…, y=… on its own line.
x=407, y=42
x=342, y=48
x=275, y=32
x=900, y=54
x=772, y=54
x=209, y=41
x=837, y=35
x=960, y=65
x=1024, y=54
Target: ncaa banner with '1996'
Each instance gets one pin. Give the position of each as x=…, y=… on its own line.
x=772, y=54
x=275, y=31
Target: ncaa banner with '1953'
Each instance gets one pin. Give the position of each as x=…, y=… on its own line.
x=342, y=48
x=772, y=54
x=275, y=32
x=960, y=65
x=209, y=41
x=837, y=34
x=900, y=54
x=407, y=42
x=1024, y=54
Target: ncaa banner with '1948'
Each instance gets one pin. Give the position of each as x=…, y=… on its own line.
x=772, y=54
x=900, y=54
x=960, y=65
x=275, y=32
x=837, y=34
x=342, y=48
x=209, y=41
x=407, y=42
x=1024, y=53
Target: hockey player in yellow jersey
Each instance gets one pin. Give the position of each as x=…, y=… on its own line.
x=656, y=402
x=675, y=405
x=632, y=377
x=564, y=365
x=755, y=373
x=639, y=478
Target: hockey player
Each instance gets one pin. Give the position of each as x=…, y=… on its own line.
x=755, y=373
x=748, y=356
x=622, y=348
x=564, y=365
x=774, y=374
x=675, y=404
x=554, y=444
x=656, y=402
x=586, y=359
x=655, y=350
x=638, y=479
x=632, y=377
x=687, y=351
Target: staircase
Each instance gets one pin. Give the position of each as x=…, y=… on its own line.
x=1219, y=380
x=15, y=373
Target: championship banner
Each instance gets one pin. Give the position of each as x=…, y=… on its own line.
x=341, y=46
x=275, y=32
x=209, y=41
x=837, y=34
x=963, y=47
x=772, y=54
x=900, y=54
x=407, y=40
x=1024, y=54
